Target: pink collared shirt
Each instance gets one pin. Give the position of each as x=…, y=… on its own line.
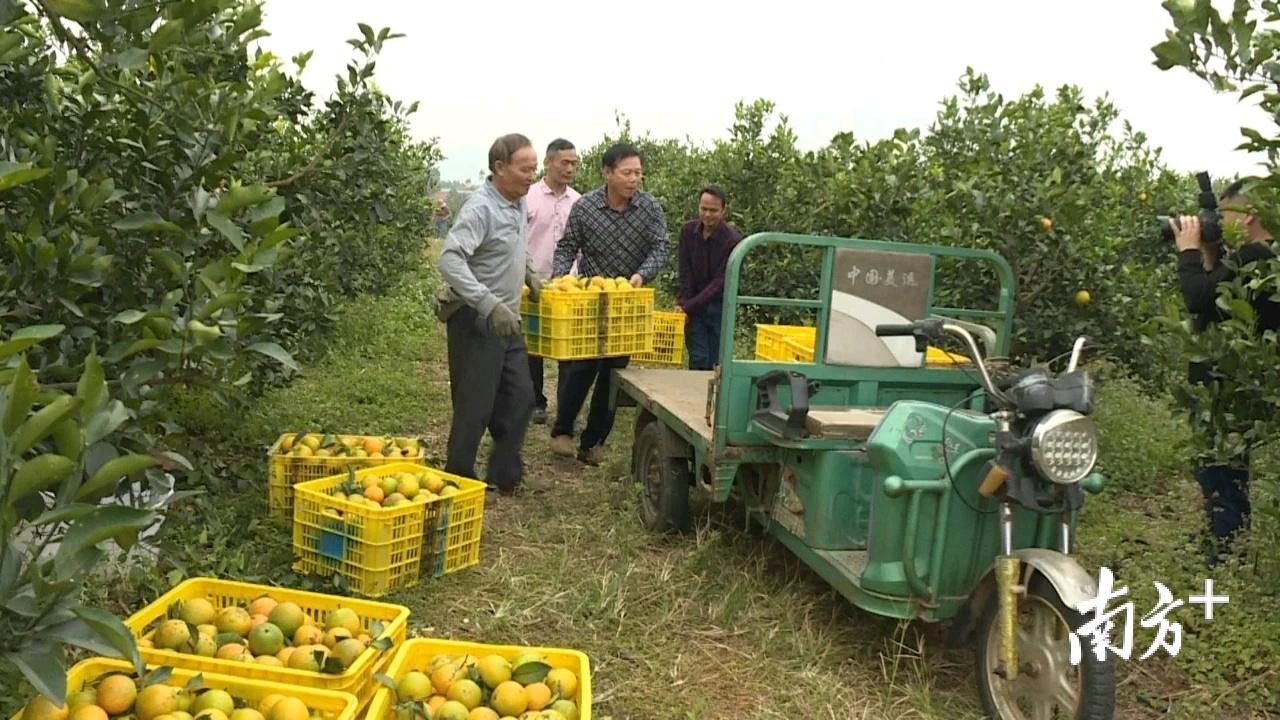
x=548, y=215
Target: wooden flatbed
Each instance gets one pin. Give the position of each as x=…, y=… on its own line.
x=680, y=393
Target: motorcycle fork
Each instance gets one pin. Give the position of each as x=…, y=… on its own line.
x=1008, y=589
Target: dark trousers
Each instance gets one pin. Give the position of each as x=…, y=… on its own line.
x=490, y=390
x=535, y=374
x=702, y=336
x=576, y=379
x=1226, y=503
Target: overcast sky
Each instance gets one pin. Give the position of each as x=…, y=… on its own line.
x=482, y=68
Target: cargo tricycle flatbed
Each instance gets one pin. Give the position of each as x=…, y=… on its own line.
x=931, y=492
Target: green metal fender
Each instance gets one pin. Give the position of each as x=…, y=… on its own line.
x=1073, y=583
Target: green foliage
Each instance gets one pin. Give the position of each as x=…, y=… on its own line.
x=1237, y=412
x=1142, y=448
x=57, y=464
x=985, y=174
x=178, y=218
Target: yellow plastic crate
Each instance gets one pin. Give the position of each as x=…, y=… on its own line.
x=357, y=680
x=375, y=549
x=416, y=654
x=795, y=343
x=324, y=704
x=785, y=343
x=668, y=340
x=380, y=549
x=284, y=471
x=576, y=325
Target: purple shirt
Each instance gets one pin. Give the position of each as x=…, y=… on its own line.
x=702, y=263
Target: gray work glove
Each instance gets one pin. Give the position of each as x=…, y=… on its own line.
x=504, y=322
x=534, y=282
x=447, y=303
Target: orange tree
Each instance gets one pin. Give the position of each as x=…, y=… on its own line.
x=177, y=214
x=1046, y=181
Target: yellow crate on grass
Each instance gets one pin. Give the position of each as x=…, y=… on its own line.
x=416, y=654
x=379, y=549
x=379, y=620
x=668, y=341
x=286, y=469
x=579, y=324
x=323, y=704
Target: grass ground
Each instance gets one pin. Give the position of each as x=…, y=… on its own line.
x=722, y=623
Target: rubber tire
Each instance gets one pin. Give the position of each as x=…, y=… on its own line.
x=669, y=511
x=1097, y=679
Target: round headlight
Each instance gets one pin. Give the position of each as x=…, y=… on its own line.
x=1064, y=446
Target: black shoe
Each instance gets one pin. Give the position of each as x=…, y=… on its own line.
x=540, y=416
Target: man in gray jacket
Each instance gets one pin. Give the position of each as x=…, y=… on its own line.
x=485, y=263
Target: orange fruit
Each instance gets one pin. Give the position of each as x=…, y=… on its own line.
x=539, y=695
x=88, y=712
x=41, y=708
x=289, y=709
x=155, y=700
x=262, y=606
x=509, y=698
x=374, y=493
x=116, y=694
x=1046, y=224
x=563, y=682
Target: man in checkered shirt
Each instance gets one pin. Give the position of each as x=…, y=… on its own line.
x=620, y=231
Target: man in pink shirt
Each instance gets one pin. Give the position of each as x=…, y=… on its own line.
x=549, y=202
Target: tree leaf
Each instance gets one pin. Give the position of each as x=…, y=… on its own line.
x=25, y=337
x=167, y=35
x=78, y=10
x=531, y=672
x=131, y=58
x=229, y=230
x=146, y=222
x=219, y=303
x=112, y=471
x=14, y=174
x=22, y=395
x=76, y=632
x=242, y=196
x=109, y=628
x=38, y=426
x=1171, y=53
x=66, y=513
x=171, y=261
x=129, y=317
x=10, y=568
x=102, y=524
x=39, y=473
x=104, y=422
x=41, y=664
x=92, y=387
x=274, y=351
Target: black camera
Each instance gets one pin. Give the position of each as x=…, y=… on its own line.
x=1210, y=223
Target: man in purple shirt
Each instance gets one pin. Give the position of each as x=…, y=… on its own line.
x=705, y=245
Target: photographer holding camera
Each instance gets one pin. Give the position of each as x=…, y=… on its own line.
x=1204, y=262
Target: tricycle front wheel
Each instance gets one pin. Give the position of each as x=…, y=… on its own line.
x=1048, y=685
x=664, y=483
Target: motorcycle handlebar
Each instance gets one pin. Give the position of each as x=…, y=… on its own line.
x=895, y=330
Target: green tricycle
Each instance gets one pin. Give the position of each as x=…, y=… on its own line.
x=921, y=483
